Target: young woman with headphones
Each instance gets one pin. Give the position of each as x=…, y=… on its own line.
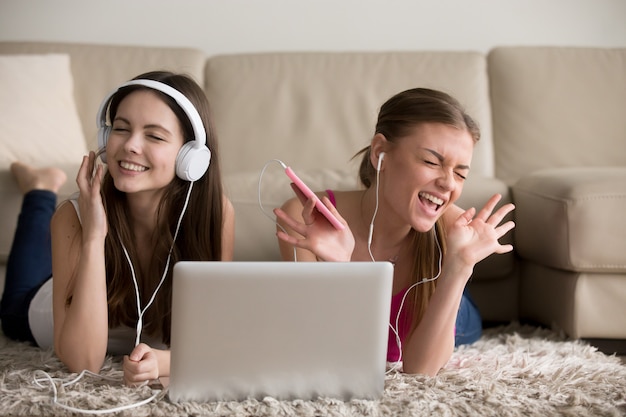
x=413, y=171
x=110, y=251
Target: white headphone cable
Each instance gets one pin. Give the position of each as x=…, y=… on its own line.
x=65, y=383
x=140, y=311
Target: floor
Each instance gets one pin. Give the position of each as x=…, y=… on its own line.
x=610, y=346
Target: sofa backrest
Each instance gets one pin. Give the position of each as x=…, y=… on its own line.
x=316, y=110
x=557, y=107
x=97, y=69
x=313, y=110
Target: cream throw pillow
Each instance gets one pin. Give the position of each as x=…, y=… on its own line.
x=39, y=123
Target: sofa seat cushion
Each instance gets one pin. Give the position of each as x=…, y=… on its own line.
x=254, y=200
x=572, y=218
x=582, y=304
x=255, y=233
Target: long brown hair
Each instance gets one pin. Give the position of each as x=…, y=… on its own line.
x=397, y=118
x=200, y=234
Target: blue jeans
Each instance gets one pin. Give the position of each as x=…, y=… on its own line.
x=468, y=321
x=29, y=264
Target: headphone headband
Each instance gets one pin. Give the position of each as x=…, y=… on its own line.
x=194, y=157
x=184, y=103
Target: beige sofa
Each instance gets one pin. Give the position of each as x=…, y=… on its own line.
x=553, y=141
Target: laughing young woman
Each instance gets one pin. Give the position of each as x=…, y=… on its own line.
x=413, y=171
x=93, y=276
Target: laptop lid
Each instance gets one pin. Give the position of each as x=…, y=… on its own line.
x=289, y=330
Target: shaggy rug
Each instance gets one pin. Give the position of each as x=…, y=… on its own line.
x=513, y=370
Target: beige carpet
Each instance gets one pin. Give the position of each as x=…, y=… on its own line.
x=512, y=371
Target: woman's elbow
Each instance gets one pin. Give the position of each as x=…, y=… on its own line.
x=421, y=369
x=78, y=363
x=91, y=365
x=428, y=364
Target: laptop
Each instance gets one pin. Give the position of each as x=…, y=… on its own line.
x=287, y=330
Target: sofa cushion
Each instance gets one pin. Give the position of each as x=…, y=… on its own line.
x=557, y=107
x=571, y=218
x=39, y=123
x=582, y=304
x=255, y=228
x=319, y=109
x=97, y=69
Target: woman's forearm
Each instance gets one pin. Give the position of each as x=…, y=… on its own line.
x=83, y=337
x=163, y=359
x=431, y=344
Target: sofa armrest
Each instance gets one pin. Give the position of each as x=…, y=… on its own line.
x=572, y=218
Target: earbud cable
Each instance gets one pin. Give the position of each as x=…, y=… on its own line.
x=370, y=237
x=273, y=220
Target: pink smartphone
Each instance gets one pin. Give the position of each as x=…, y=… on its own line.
x=318, y=203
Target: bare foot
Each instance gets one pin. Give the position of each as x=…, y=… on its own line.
x=29, y=178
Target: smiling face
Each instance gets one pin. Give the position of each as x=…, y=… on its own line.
x=145, y=139
x=423, y=172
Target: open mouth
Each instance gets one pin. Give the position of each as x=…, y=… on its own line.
x=431, y=201
x=132, y=167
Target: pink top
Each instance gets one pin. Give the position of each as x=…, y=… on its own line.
x=331, y=197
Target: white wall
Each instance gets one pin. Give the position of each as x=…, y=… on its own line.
x=231, y=26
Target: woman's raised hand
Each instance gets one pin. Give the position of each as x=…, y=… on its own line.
x=473, y=237
x=318, y=235
x=93, y=217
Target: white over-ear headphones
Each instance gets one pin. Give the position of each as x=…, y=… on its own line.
x=194, y=157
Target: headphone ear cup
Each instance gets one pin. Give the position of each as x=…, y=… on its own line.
x=103, y=138
x=192, y=162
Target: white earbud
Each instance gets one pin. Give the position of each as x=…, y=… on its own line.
x=381, y=156
x=380, y=161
